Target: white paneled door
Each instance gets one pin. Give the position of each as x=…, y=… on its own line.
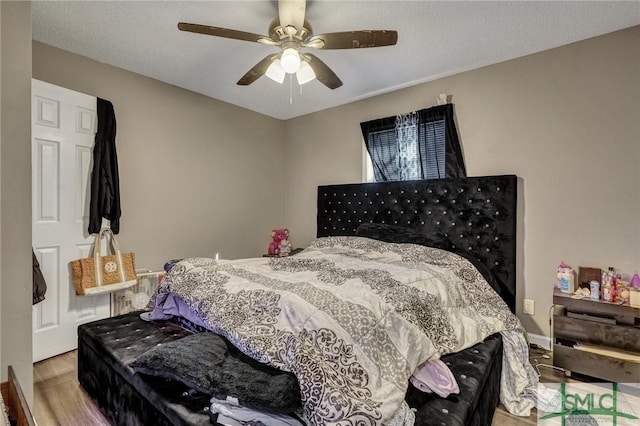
x=62, y=130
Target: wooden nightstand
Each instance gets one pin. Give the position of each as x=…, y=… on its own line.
x=597, y=325
x=293, y=252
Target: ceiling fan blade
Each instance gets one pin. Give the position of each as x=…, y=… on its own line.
x=291, y=13
x=220, y=32
x=353, y=39
x=323, y=73
x=257, y=71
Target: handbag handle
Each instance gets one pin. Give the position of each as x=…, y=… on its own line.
x=97, y=245
x=97, y=259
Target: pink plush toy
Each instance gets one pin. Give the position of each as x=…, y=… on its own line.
x=277, y=235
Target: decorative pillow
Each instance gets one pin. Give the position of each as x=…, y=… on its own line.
x=209, y=364
x=400, y=234
x=403, y=235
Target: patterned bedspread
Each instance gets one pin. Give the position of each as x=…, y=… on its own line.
x=352, y=318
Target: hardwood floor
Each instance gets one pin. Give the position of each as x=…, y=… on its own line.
x=59, y=399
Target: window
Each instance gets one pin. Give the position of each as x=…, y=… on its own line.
x=419, y=145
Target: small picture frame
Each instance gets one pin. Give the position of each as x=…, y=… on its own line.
x=587, y=274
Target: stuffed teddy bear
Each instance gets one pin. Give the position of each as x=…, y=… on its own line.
x=277, y=235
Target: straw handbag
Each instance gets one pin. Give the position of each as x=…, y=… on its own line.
x=103, y=274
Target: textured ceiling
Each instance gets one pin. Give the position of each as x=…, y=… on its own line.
x=435, y=39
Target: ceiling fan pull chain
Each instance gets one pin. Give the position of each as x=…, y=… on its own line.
x=290, y=89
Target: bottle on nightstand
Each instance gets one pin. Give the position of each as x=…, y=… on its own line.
x=609, y=285
x=567, y=281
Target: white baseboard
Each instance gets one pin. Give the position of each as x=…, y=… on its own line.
x=540, y=340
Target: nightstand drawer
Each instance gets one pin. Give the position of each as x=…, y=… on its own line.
x=606, y=367
x=596, y=333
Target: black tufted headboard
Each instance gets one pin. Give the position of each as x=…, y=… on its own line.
x=475, y=216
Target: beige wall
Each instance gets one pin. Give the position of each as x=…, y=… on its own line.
x=197, y=175
x=15, y=193
x=566, y=121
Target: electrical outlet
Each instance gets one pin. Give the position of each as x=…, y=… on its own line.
x=529, y=307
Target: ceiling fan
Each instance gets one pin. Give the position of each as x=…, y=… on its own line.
x=291, y=32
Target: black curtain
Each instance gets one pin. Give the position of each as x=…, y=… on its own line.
x=438, y=145
x=105, y=183
x=380, y=139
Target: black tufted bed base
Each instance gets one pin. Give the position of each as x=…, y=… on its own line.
x=106, y=347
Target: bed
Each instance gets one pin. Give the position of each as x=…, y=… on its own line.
x=474, y=219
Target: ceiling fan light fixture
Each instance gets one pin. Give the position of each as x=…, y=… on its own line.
x=305, y=73
x=275, y=71
x=291, y=32
x=290, y=60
